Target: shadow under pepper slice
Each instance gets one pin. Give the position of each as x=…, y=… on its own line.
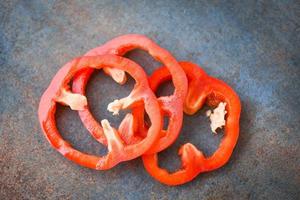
x=118, y=151
x=202, y=89
x=173, y=104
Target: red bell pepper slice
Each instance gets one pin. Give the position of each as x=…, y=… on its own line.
x=58, y=91
x=173, y=104
x=202, y=88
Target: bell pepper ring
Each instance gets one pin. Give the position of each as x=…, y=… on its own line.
x=59, y=92
x=173, y=104
x=202, y=89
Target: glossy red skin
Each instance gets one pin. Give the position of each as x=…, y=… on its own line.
x=174, y=103
x=202, y=88
x=118, y=151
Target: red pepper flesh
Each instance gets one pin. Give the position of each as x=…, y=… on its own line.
x=202, y=89
x=118, y=151
x=172, y=104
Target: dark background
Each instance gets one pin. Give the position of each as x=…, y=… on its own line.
x=252, y=45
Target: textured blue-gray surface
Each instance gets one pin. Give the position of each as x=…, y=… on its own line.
x=252, y=45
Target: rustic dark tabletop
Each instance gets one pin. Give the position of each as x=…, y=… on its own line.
x=254, y=47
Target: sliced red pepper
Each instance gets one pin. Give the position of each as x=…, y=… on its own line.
x=172, y=104
x=58, y=91
x=202, y=88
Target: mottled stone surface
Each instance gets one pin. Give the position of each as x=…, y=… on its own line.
x=254, y=47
